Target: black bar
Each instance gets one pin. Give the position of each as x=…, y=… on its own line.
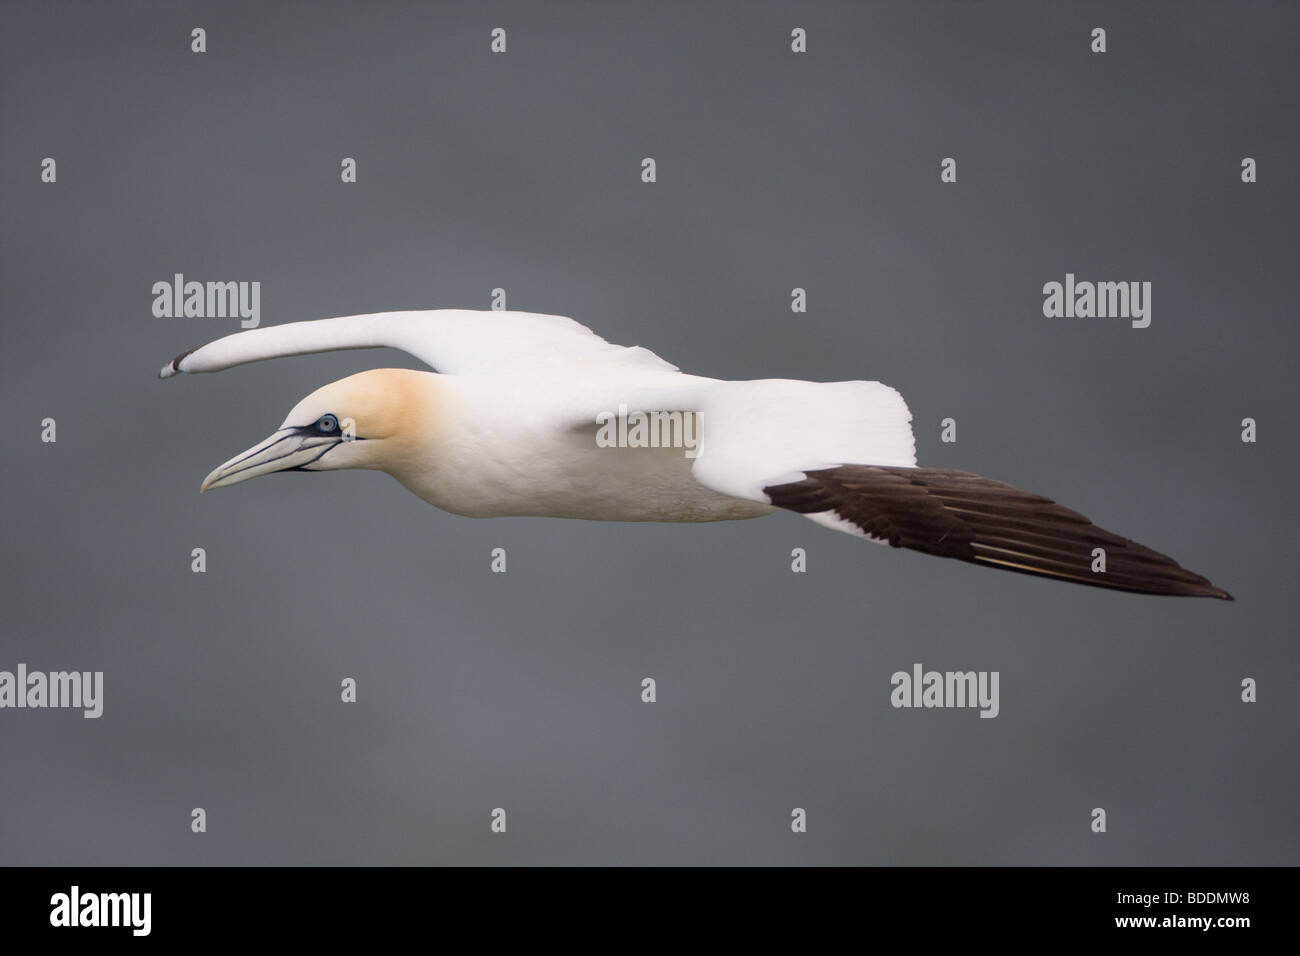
x=330, y=905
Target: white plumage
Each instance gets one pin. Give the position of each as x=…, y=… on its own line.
x=527, y=384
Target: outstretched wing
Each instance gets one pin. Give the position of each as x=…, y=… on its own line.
x=456, y=341
x=955, y=514
x=842, y=454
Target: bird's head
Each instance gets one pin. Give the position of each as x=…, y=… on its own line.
x=376, y=419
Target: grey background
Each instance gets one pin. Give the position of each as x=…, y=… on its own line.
x=522, y=690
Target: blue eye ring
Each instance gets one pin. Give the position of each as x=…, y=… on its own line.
x=327, y=424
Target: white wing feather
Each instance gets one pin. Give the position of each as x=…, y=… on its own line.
x=456, y=341
x=762, y=433
x=770, y=431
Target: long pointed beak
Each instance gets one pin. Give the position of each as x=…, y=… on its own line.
x=285, y=450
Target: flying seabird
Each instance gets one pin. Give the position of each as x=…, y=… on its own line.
x=511, y=421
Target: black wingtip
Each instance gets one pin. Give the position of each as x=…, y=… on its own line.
x=956, y=514
x=174, y=366
x=1206, y=589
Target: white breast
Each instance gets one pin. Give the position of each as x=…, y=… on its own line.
x=510, y=445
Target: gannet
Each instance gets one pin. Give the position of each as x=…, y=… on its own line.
x=509, y=420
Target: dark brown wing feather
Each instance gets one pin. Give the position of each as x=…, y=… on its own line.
x=955, y=514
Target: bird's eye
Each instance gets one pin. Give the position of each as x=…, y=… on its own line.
x=327, y=424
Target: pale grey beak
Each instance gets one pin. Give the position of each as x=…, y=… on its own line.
x=287, y=449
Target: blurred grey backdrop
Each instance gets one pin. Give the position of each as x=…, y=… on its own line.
x=775, y=170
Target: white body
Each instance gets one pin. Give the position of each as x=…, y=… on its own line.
x=520, y=452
